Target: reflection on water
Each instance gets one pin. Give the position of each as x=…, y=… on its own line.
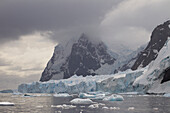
x=49, y=104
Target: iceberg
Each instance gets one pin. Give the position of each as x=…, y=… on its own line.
x=90, y=96
x=167, y=95
x=94, y=106
x=6, y=104
x=81, y=101
x=85, y=95
x=64, y=106
x=62, y=95
x=114, y=98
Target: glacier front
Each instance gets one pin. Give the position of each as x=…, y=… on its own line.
x=80, y=84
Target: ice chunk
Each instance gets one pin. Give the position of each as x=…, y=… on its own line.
x=6, y=104
x=131, y=108
x=17, y=93
x=85, y=95
x=64, y=106
x=81, y=101
x=93, y=106
x=98, y=92
x=105, y=107
x=62, y=95
x=167, y=95
x=95, y=96
x=130, y=93
x=114, y=108
x=114, y=98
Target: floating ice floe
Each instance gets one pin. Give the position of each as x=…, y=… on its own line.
x=130, y=93
x=98, y=92
x=114, y=98
x=64, y=106
x=167, y=95
x=91, y=96
x=105, y=107
x=62, y=95
x=131, y=108
x=17, y=93
x=93, y=106
x=114, y=108
x=6, y=104
x=81, y=101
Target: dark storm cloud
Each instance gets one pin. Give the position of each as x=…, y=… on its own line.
x=21, y=17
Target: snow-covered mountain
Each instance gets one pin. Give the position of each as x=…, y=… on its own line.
x=130, y=59
x=157, y=78
x=158, y=38
x=82, y=57
x=85, y=57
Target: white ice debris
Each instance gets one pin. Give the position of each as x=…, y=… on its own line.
x=131, y=108
x=64, y=106
x=81, y=101
x=92, y=96
x=129, y=93
x=167, y=95
x=62, y=95
x=6, y=104
x=94, y=106
x=105, y=107
x=114, y=108
x=114, y=98
x=17, y=93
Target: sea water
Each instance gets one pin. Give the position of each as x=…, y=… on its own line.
x=43, y=103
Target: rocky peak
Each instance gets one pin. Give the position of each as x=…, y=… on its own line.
x=85, y=58
x=158, y=39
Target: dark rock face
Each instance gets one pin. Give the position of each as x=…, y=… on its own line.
x=166, y=76
x=158, y=38
x=48, y=71
x=128, y=65
x=85, y=58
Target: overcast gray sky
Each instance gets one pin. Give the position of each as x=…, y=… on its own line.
x=30, y=29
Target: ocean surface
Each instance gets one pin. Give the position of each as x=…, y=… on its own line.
x=48, y=104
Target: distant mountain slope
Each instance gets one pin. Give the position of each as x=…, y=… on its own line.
x=158, y=38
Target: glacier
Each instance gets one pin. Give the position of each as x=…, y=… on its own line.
x=79, y=84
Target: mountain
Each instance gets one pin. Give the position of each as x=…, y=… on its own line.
x=82, y=57
x=131, y=59
x=158, y=38
x=157, y=78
